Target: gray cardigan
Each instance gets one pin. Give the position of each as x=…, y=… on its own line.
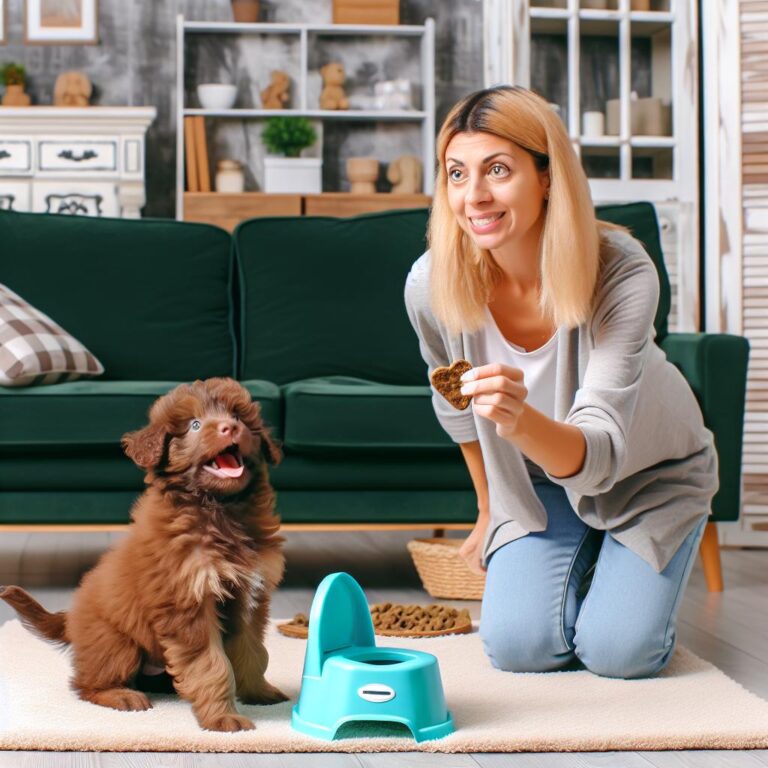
x=650, y=469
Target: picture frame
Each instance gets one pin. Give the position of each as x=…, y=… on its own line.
x=61, y=22
x=3, y=22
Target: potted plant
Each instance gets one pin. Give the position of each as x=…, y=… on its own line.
x=13, y=76
x=285, y=171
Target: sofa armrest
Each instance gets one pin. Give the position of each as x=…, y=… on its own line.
x=715, y=366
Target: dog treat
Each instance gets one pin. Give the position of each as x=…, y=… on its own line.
x=447, y=381
x=400, y=620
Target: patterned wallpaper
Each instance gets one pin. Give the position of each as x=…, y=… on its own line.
x=135, y=64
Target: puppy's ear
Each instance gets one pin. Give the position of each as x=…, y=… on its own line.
x=269, y=448
x=145, y=446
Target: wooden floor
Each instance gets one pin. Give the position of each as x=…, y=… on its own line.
x=729, y=629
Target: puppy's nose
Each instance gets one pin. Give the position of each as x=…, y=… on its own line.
x=228, y=428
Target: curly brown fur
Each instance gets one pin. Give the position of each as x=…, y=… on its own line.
x=188, y=589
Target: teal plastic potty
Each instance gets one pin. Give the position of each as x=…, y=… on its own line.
x=347, y=678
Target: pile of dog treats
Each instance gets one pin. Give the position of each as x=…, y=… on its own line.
x=395, y=619
x=416, y=618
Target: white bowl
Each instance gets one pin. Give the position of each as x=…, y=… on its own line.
x=216, y=95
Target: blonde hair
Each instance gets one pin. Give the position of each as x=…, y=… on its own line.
x=462, y=275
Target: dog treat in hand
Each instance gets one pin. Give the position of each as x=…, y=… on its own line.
x=447, y=381
x=400, y=620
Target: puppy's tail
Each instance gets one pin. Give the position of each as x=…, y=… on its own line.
x=49, y=626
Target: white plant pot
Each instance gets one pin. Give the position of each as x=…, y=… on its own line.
x=293, y=175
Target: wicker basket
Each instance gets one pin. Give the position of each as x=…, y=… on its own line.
x=442, y=571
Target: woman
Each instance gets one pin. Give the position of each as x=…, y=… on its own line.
x=586, y=447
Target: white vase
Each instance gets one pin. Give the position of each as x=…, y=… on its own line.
x=298, y=175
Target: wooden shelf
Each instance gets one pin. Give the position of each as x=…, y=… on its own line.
x=228, y=210
x=347, y=204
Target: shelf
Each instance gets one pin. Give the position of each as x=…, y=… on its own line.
x=239, y=28
x=370, y=115
x=300, y=49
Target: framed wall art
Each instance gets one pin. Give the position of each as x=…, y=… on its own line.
x=61, y=22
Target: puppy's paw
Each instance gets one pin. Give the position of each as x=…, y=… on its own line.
x=228, y=723
x=124, y=699
x=266, y=694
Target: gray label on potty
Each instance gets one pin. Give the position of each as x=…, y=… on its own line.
x=375, y=692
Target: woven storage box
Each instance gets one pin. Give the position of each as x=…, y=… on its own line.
x=443, y=572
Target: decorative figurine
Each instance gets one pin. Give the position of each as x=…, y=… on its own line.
x=276, y=95
x=333, y=96
x=405, y=175
x=72, y=89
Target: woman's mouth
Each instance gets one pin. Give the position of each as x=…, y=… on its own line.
x=228, y=464
x=487, y=223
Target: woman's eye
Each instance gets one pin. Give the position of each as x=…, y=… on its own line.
x=455, y=174
x=195, y=426
x=499, y=170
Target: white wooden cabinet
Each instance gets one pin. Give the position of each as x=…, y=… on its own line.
x=80, y=161
x=581, y=57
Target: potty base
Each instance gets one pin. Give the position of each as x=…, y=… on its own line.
x=318, y=731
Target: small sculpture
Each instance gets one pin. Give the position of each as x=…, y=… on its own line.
x=405, y=175
x=72, y=89
x=362, y=173
x=333, y=96
x=276, y=95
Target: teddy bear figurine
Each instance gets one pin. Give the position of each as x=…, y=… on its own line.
x=276, y=95
x=333, y=96
x=405, y=175
x=72, y=89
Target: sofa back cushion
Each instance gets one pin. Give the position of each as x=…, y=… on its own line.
x=324, y=296
x=150, y=298
x=640, y=219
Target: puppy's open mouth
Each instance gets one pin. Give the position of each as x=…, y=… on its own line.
x=228, y=463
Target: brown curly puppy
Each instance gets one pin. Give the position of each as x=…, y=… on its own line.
x=188, y=589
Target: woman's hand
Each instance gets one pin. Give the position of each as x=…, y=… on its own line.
x=498, y=394
x=471, y=551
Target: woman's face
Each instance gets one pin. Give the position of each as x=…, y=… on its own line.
x=494, y=190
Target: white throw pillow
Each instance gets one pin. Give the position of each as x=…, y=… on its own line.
x=35, y=350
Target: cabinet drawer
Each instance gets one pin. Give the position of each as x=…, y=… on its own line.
x=75, y=198
x=15, y=155
x=74, y=156
x=15, y=195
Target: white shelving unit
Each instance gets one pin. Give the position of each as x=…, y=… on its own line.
x=425, y=117
x=669, y=32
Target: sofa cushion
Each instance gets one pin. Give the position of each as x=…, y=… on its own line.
x=93, y=413
x=150, y=298
x=340, y=413
x=324, y=296
x=641, y=220
x=35, y=350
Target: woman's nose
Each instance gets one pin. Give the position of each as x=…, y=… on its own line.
x=478, y=191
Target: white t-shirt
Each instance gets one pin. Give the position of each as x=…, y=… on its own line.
x=539, y=367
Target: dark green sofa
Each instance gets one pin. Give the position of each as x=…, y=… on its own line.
x=308, y=314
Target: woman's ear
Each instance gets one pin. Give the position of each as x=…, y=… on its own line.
x=145, y=447
x=545, y=182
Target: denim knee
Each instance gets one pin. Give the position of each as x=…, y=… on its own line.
x=516, y=646
x=612, y=655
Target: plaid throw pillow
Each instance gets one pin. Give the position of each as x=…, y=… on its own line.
x=34, y=350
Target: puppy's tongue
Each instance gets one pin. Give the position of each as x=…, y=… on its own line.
x=227, y=464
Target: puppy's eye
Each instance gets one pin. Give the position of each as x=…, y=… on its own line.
x=195, y=426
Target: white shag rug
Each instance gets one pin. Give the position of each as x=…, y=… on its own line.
x=690, y=705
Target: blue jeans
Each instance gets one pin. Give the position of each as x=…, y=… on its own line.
x=535, y=617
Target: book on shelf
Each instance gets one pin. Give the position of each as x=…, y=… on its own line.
x=201, y=152
x=193, y=184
